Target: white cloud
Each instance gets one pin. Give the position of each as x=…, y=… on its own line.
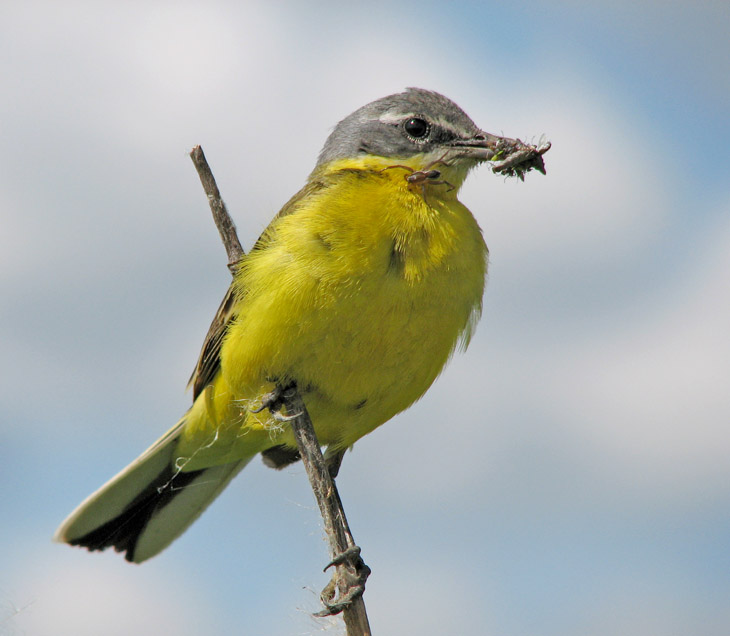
x=604, y=193
x=654, y=390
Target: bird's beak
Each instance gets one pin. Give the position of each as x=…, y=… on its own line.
x=508, y=155
x=483, y=146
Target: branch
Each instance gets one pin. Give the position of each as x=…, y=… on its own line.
x=222, y=219
x=351, y=572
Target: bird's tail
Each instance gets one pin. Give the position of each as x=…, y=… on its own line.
x=147, y=505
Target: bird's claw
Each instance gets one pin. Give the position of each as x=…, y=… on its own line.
x=350, y=581
x=274, y=401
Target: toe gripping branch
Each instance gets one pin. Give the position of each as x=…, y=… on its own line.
x=349, y=579
x=276, y=400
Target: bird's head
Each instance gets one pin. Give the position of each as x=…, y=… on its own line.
x=417, y=128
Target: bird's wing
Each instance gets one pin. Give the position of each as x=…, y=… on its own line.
x=209, y=361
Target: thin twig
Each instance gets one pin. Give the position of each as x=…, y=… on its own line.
x=222, y=219
x=351, y=572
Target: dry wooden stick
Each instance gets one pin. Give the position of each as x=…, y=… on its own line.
x=350, y=571
x=222, y=219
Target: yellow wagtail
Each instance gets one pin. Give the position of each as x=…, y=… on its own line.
x=358, y=291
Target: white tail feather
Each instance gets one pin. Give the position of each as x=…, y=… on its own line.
x=147, y=505
x=173, y=519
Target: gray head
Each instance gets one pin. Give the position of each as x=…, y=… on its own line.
x=411, y=123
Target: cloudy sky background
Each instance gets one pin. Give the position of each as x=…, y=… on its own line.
x=568, y=475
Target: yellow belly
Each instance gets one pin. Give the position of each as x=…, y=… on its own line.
x=359, y=294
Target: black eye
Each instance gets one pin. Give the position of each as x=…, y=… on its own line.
x=416, y=127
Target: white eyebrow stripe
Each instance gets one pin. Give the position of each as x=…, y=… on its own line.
x=397, y=118
x=393, y=118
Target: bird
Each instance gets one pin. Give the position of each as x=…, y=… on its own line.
x=358, y=293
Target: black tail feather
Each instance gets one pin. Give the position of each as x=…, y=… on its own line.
x=123, y=531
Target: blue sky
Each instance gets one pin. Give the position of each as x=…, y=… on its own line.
x=568, y=475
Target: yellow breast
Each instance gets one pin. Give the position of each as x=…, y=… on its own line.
x=360, y=293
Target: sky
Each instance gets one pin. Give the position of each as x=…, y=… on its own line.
x=567, y=475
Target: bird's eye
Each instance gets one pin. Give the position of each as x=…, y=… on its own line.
x=416, y=127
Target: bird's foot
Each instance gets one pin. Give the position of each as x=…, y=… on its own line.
x=275, y=401
x=350, y=581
